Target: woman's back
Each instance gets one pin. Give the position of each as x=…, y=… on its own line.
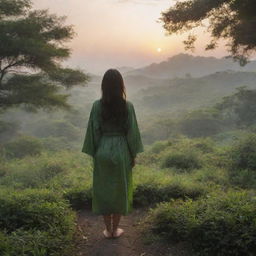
x=109, y=126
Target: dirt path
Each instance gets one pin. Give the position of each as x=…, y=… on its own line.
x=90, y=240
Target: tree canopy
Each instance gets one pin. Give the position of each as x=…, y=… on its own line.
x=232, y=20
x=239, y=107
x=32, y=47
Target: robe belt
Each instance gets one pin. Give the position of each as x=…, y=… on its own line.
x=113, y=133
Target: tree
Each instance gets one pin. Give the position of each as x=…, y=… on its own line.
x=201, y=123
x=233, y=20
x=239, y=108
x=31, y=51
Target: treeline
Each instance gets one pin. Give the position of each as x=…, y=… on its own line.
x=234, y=112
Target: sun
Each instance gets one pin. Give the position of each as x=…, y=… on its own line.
x=159, y=49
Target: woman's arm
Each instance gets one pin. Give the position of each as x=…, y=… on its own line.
x=133, y=134
x=93, y=133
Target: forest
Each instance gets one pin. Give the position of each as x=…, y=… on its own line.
x=196, y=180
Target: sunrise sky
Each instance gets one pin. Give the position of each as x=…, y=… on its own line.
x=115, y=33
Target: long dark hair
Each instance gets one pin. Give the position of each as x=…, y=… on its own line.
x=113, y=99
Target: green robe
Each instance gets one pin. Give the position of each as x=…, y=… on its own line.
x=112, y=151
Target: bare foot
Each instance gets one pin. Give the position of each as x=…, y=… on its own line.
x=107, y=234
x=118, y=232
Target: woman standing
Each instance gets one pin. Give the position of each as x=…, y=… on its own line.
x=113, y=140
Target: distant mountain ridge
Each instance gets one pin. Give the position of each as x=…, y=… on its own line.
x=184, y=65
x=191, y=93
x=125, y=69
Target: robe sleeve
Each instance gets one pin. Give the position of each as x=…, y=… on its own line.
x=133, y=133
x=93, y=133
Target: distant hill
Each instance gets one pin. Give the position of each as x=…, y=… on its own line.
x=124, y=69
x=132, y=82
x=190, y=93
x=185, y=65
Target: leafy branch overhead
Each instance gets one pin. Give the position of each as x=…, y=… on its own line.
x=32, y=47
x=232, y=20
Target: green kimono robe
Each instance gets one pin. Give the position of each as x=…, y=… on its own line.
x=112, y=151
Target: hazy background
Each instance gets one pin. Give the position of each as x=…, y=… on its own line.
x=114, y=33
x=166, y=85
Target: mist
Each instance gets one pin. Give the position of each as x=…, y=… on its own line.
x=192, y=188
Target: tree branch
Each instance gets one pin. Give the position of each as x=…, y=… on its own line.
x=4, y=70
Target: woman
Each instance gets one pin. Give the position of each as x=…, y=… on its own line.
x=113, y=140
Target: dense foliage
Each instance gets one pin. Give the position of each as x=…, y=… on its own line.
x=31, y=51
x=39, y=191
x=34, y=222
x=222, y=223
x=232, y=20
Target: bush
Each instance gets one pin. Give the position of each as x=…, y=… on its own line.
x=23, y=146
x=34, y=242
x=218, y=224
x=183, y=149
x=56, y=144
x=229, y=136
x=212, y=175
x=185, y=160
x=50, y=170
x=152, y=186
x=205, y=145
x=3, y=170
x=56, y=171
x=32, y=208
x=148, y=194
x=159, y=146
x=201, y=123
x=29, y=176
x=35, y=222
x=79, y=197
x=243, y=153
x=243, y=178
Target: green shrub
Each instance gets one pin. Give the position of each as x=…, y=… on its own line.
x=35, y=222
x=79, y=197
x=35, y=242
x=242, y=163
x=37, y=176
x=218, y=224
x=205, y=145
x=243, y=178
x=23, y=146
x=212, y=175
x=183, y=160
x=159, y=146
x=32, y=208
x=50, y=170
x=243, y=153
x=181, y=151
x=152, y=186
x=219, y=158
x=56, y=171
x=149, y=194
x=200, y=123
x=3, y=169
x=229, y=136
x=56, y=144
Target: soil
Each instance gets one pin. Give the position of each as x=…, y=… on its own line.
x=90, y=241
